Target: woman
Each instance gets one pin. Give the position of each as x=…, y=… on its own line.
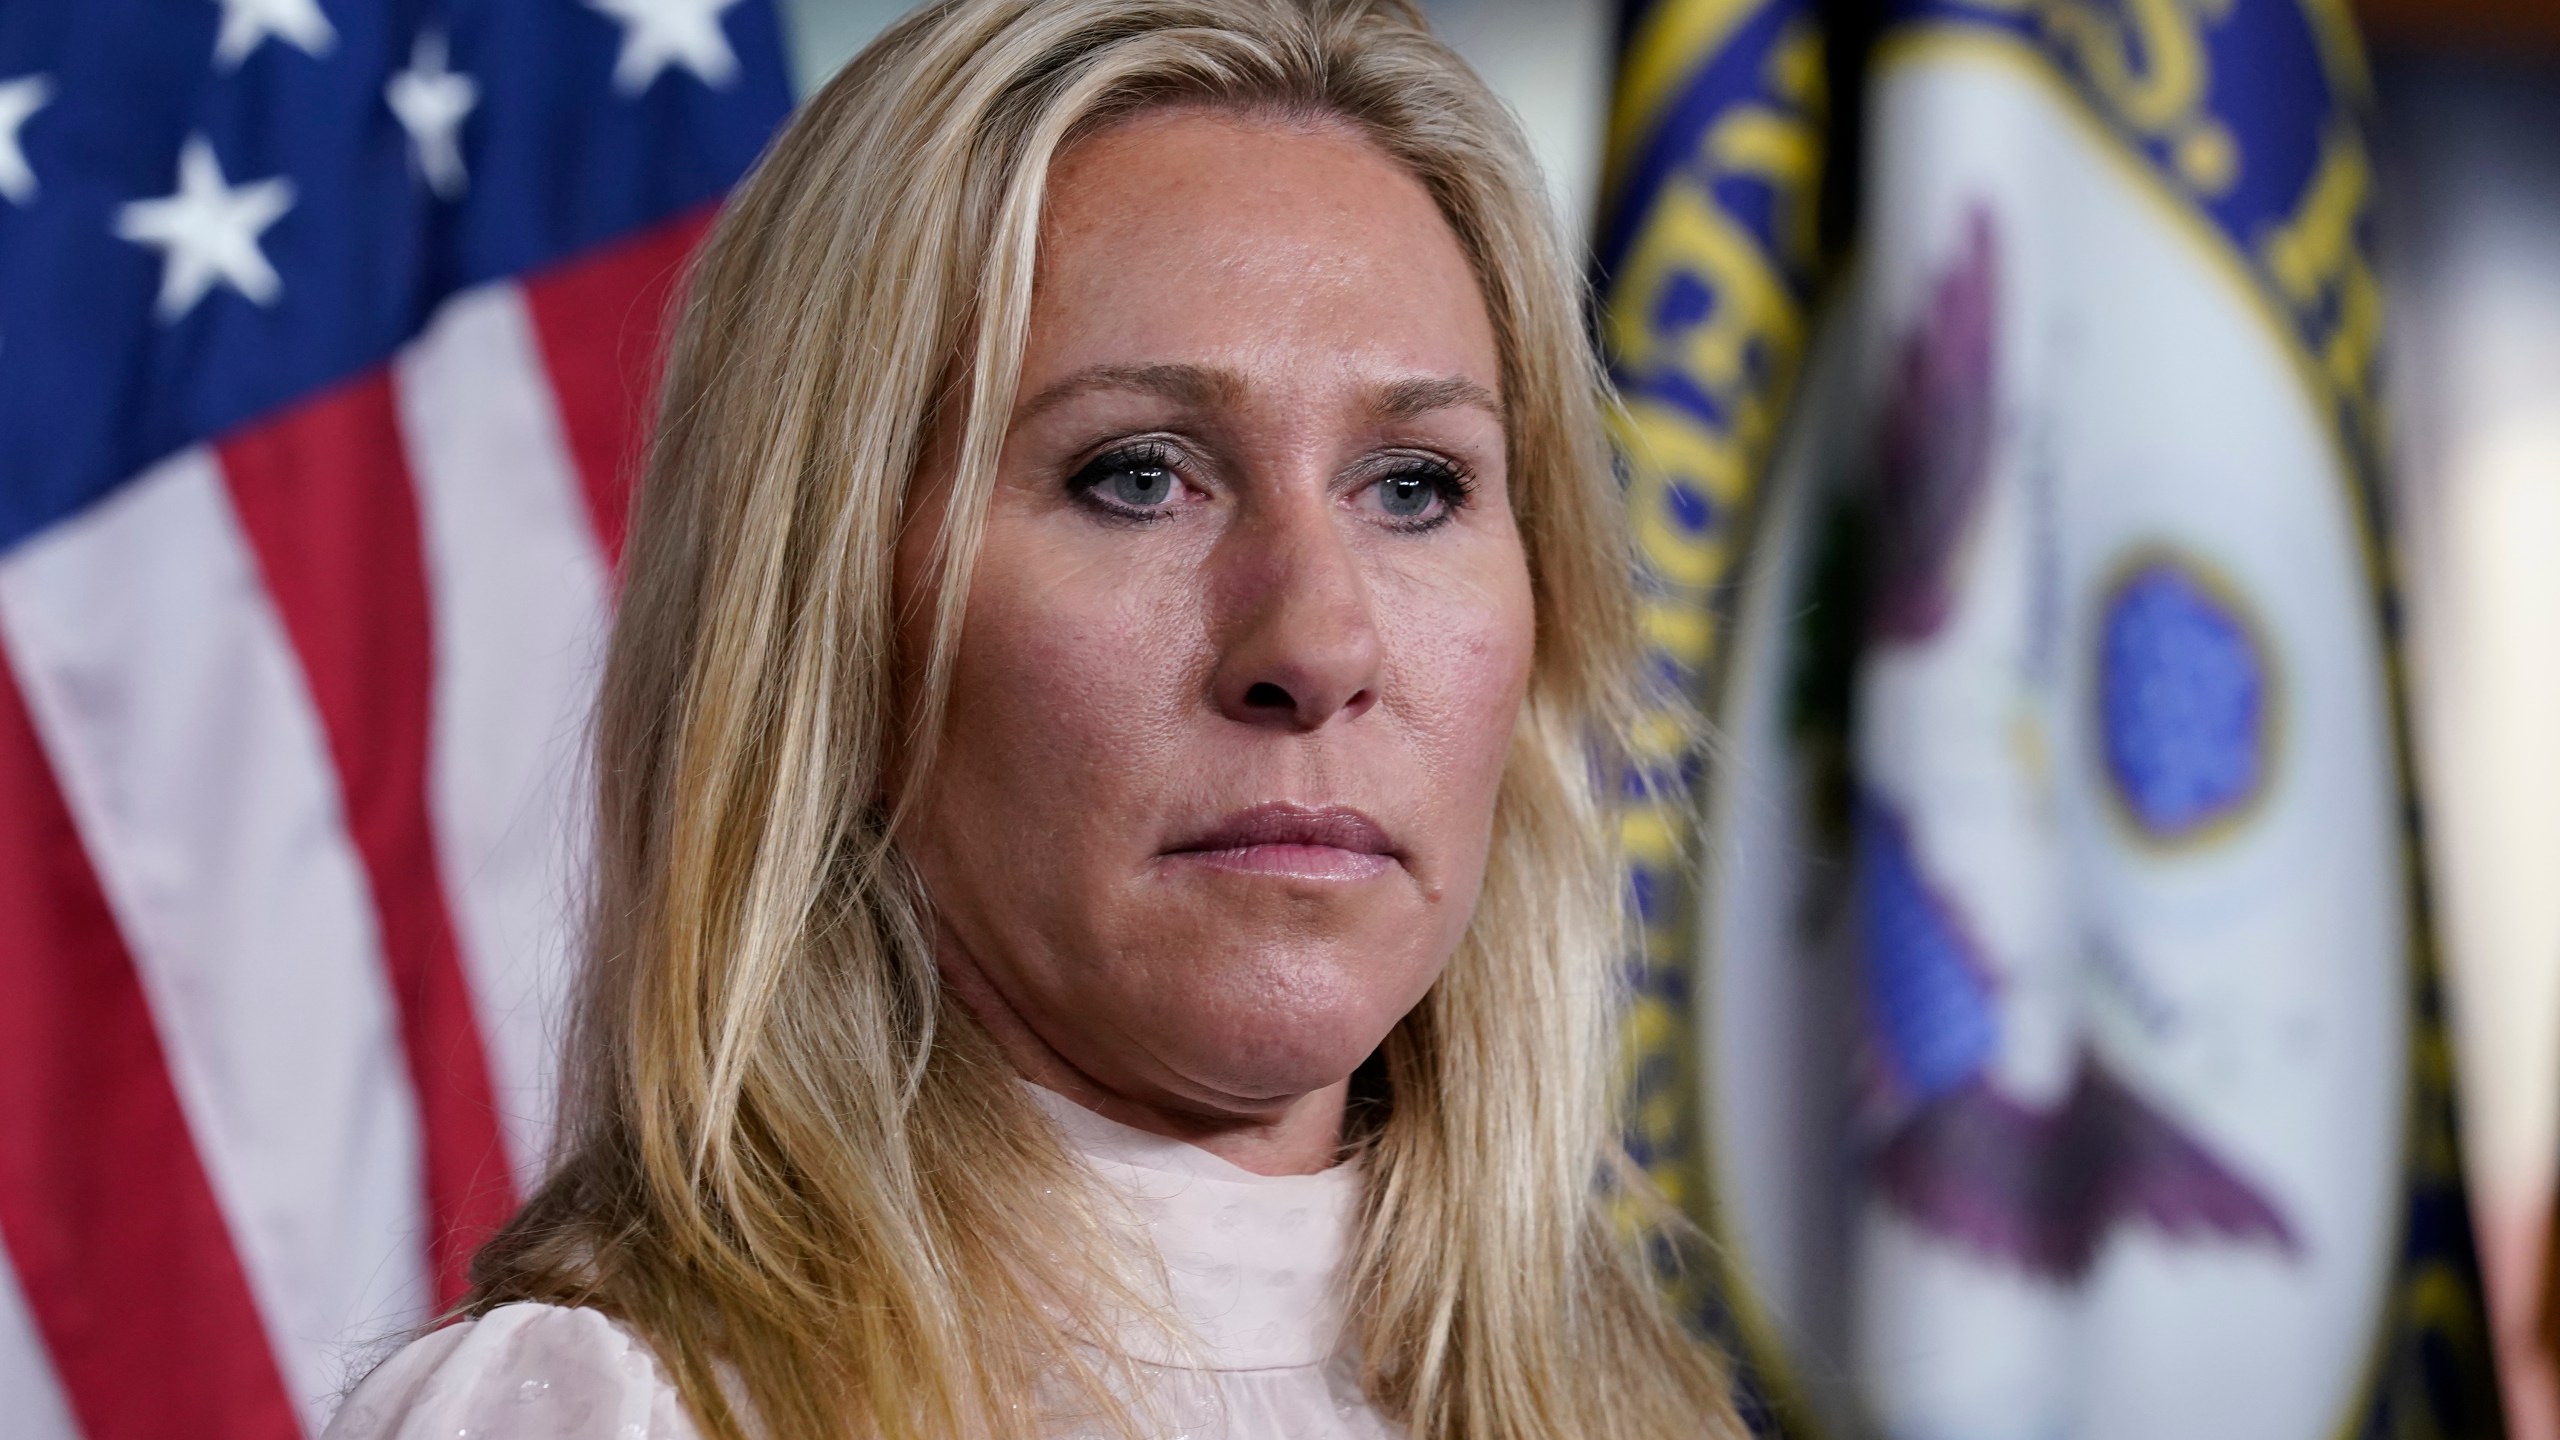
x=1105, y=918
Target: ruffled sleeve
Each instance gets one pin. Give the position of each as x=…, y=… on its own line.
x=520, y=1372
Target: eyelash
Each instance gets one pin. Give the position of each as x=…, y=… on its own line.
x=1141, y=455
x=1451, y=482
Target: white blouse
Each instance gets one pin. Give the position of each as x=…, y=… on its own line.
x=1252, y=1260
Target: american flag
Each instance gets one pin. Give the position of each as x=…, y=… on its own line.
x=325, y=338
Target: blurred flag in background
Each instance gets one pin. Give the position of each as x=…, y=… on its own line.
x=326, y=329
x=2043, y=1023
x=1706, y=255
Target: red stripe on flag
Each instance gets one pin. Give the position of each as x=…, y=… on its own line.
x=324, y=495
x=118, y=1242
x=604, y=320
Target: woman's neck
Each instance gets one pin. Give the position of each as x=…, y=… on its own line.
x=1304, y=1138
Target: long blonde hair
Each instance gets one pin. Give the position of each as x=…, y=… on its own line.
x=785, y=1158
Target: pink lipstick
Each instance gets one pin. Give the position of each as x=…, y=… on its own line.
x=1332, y=842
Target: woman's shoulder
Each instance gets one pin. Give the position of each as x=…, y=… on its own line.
x=522, y=1372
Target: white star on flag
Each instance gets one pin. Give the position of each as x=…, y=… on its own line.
x=247, y=23
x=208, y=232
x=19, y=99
x=432, y=103
x=659, y=33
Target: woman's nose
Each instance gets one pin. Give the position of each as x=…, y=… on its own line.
x=1300, y=646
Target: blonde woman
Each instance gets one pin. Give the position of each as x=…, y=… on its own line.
x=1105, y=915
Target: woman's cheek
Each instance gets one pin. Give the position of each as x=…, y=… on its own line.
x=1087, y=655
x=1470, y=649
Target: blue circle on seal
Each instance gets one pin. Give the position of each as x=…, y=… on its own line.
x=2182, y=700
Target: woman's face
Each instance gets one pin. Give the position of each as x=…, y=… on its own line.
x=1248, y=634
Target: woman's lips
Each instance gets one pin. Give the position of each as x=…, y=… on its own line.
x=1332, y=842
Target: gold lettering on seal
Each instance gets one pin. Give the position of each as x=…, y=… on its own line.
x=1702, y=301
x=2146, y=62
x=2317, y=263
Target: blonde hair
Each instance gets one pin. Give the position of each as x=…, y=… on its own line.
x=785, y=1158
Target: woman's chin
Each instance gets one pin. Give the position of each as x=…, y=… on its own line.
x=1252, y=1053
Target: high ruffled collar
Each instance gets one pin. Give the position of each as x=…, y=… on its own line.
x=1254, y=1261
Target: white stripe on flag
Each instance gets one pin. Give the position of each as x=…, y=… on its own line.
x=521, y=598
x=185, y=739
x=31, y=1402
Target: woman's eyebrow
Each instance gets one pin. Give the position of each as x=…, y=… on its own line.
x=1407, y=399
x=1195, y=387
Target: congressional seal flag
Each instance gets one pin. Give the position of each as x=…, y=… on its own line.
x=2061, y=1019
x=325, y=338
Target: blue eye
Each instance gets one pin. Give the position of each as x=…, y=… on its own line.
x=1129, y=483
x=1421, y=496
x=1140, y=486
x=1407, y=497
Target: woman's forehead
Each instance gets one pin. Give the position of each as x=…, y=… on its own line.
x=1212, y=245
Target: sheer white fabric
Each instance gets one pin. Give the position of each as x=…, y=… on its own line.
x=1252, y=1261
